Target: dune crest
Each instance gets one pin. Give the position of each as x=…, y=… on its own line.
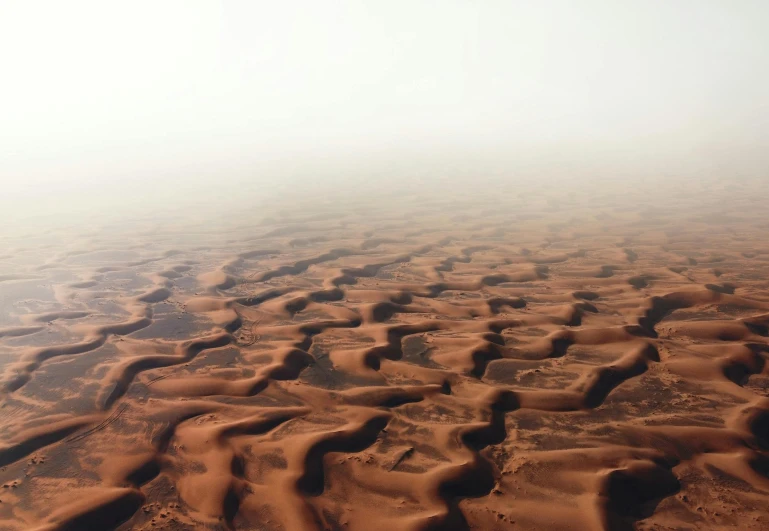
x=569, y=360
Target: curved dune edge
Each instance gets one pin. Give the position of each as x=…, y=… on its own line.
x=554, y=364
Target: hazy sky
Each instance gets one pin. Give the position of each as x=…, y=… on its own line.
x=117, y=98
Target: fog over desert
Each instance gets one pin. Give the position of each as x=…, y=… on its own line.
x=384, y=265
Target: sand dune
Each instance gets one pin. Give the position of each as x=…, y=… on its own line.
x=558, y=360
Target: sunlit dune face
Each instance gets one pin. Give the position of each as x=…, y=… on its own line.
x=399, y=360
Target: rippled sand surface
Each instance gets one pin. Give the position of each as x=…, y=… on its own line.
x=582, y=359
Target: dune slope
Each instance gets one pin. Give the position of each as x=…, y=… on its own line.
x=563, y=360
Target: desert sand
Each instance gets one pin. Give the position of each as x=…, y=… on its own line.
x=582, y=358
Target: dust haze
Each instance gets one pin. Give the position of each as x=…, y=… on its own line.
x=122, y=109
x=431, y=266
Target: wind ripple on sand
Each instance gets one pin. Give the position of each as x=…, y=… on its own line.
x=500, y=368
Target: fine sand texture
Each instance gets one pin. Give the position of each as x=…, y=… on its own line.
x=585, y=358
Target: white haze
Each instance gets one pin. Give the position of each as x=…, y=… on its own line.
x=117, y=106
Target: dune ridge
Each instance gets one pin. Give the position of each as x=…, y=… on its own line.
x=569, y=360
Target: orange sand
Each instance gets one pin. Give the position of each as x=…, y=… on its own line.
x=553, y=360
